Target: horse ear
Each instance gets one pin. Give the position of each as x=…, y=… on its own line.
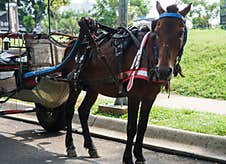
x=185, y=11
x=159, y=8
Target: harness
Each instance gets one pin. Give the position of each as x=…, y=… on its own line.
x=133, y=73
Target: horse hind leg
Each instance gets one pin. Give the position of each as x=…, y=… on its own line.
x=84, y=111
x=70, y=148
x=142, y=126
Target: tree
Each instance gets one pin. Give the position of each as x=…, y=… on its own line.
x=31, y=12
x=138, y=8
x=66, y=22
x=2, y=5
x=106, y=11
x=222, y=14
x=202, y=12
x=29, y=22
x=55, y=5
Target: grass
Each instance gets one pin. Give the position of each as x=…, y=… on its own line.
x=201, y=122
x=204, y=65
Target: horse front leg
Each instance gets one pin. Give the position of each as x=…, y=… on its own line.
x=133, y=107
x=70, y=148
x=142, y=126
x=84, y=111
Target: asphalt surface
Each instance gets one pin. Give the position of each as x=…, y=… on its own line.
x=23, y=143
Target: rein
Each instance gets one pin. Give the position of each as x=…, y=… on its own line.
x=135, y=66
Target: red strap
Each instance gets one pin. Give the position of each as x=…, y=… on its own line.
x=141, y=73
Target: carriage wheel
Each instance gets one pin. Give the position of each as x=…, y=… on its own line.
x=52, y=120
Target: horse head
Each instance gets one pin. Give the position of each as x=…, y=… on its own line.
x=171, y=36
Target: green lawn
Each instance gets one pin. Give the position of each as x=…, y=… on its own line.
x=194, y=121
x=202, y=122
x=204, y=65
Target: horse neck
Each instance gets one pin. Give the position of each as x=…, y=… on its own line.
x=147, y=57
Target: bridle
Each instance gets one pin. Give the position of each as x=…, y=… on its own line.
x=136, y=63
x=155, y=46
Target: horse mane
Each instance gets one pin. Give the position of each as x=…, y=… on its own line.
x=172, y=9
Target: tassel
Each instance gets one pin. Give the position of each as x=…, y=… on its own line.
x=167, y=87
x=178, y=70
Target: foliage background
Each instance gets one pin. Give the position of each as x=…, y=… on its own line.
x=202, y=12
x=204, y=65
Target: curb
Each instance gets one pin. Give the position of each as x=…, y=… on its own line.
x=196, y=145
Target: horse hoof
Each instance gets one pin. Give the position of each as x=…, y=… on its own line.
x=127, y=161
x=71, y=153
x=140, y=162
x=139, y=157
x=93, y=153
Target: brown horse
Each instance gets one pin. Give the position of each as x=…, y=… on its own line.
x=144, y=74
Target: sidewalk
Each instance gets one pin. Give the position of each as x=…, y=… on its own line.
x=184, y=102
x=193, y=103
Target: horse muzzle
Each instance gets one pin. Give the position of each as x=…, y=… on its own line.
x=162, y=74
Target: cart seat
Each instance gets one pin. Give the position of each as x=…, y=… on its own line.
x=12, y=54
x=10, y=60
x=7, y=59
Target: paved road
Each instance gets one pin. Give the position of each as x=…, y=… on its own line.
x=23, y=143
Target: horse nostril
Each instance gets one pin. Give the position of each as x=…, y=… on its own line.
x=163, y=73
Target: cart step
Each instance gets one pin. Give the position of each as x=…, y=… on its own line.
x=6, y=112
